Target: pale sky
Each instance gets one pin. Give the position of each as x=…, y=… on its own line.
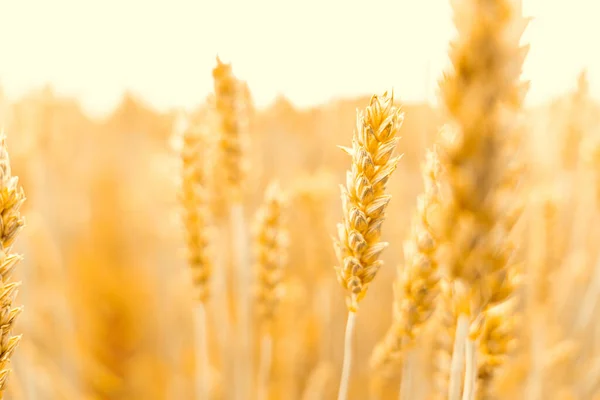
x=308, y=50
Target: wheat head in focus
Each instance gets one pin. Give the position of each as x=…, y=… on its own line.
x=11, y=199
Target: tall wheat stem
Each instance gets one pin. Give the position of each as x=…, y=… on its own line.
x=222, y=318
x=243, y=366
x=470, y=371
x=534, y=389
x=406, y=379
x=346, y=366
x=202, y=367
x=458, y=357
x=266, y=351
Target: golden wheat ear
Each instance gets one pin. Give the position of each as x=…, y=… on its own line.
x=195, y=206
x=11, y=223
x=364, y=197
x=194, y=203
x=364, y=201
x=482, y=97
x=232, y=142
x=232, y=139
x=271, y=242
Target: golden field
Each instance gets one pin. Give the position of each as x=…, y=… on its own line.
x=196, y=255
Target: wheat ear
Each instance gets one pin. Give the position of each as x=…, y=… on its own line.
x=194, y=203
x=11, y=223
x=364, y=201
x=270, y=258
x=232, y=140
x=482, y=97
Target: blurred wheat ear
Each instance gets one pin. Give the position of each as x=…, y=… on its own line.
x=271, y=243
x=232, y=138
x=483, y=96
x=194, y=204
x=416, y=287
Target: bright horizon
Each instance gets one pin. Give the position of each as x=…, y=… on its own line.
x=309, y=51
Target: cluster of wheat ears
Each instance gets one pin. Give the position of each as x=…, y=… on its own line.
x=464, y=285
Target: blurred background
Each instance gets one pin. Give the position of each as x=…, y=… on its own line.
x=92, y=99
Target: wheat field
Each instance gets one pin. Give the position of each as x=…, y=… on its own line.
x=366, y=248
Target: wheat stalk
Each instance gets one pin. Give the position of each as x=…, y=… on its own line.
x=317, y=381
x=364, y=202
x=11, y=223
x=542, y=264
x=270, y=258
x=230, y=110
x=194, y=202
x=446, y=324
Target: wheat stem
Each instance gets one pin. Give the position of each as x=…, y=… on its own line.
x=470, y=370
x=317, y=382
x=266, y=350
x=243, y=366
x=223, y=317
x=590, y=301
x=458, y=357
x=406, y=380
x=591, y=380
x=202, y=369
x=346, y=366
x=376, y=387
x=538, y=344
